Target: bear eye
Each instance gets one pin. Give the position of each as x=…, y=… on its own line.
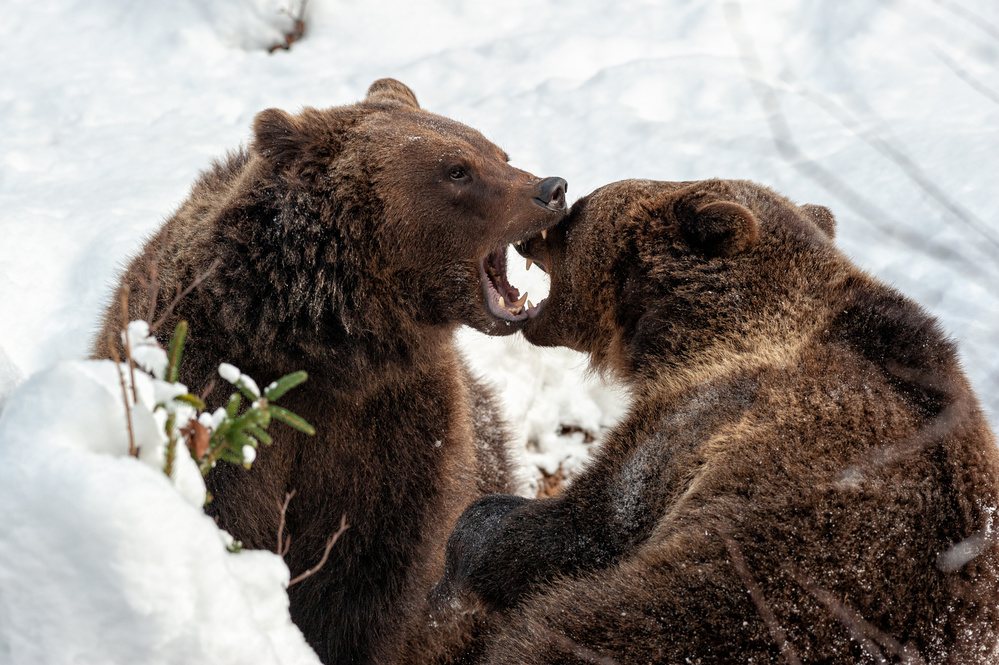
x=457, y=173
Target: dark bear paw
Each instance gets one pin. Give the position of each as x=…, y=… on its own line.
x=471, y=577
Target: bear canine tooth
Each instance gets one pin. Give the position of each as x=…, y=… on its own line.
x=529, y=263
x=520, y=303
x=502, y=303
x=544, y=234
x=529, y=305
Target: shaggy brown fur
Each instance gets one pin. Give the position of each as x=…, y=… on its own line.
x=805, y=474
x=351, y=242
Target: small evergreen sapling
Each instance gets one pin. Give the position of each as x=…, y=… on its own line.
x=236, y=436
x=226, y=434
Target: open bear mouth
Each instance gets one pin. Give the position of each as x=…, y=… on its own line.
x=503, y=300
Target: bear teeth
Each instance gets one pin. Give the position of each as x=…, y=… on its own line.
x=504, y=298
x=514, y=307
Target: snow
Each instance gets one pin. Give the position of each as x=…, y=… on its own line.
x=102, y=559
x=887, y=112
x=232, y=374
x=145, y=350
x=213, y=420
x=545, y=389
x=10, y=377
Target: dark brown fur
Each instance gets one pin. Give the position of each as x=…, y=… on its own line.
x=347, y=247
x=804, y=476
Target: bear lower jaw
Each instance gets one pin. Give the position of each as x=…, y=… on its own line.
x=503, y=300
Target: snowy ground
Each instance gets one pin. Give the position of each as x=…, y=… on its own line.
x=887, y=112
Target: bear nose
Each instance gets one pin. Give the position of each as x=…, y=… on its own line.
x=551, y=193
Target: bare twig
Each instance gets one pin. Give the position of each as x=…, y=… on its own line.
x=208, y=461
x=909, y=167
x=190, y=287
x=884, y=456
x=128, y=343
x=930, y=434
x=124, y=395
x=860, y=629
x=971, y=17
x=846, y=616
x=208, y=389
x=577, y=649
x=297, y=31
x=769, y=618
x=965, y=551
x=329, y=545
x=284, y=542
x=154, y=290
x=153, y=267
x=966, y=76
x=282, y=546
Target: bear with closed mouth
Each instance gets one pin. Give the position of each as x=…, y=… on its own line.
x=804, y=475
x=352, y=242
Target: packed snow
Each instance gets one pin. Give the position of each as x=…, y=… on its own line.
x=886, y=112
x=102, y=558
x=232, y=374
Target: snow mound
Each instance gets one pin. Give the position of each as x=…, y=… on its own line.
x=102, y=560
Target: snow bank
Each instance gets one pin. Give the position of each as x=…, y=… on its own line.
x=102, y=560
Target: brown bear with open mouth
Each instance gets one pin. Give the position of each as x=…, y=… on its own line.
x=351, y=243
x=805, y=474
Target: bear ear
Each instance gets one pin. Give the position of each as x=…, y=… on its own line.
x=822, y=217
x=391, y=91
x=277, y=135
x=714, y=226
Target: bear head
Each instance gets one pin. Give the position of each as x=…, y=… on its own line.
x=681, y=274
x=379, y=219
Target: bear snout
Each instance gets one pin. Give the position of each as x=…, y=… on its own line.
x=551, y=194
